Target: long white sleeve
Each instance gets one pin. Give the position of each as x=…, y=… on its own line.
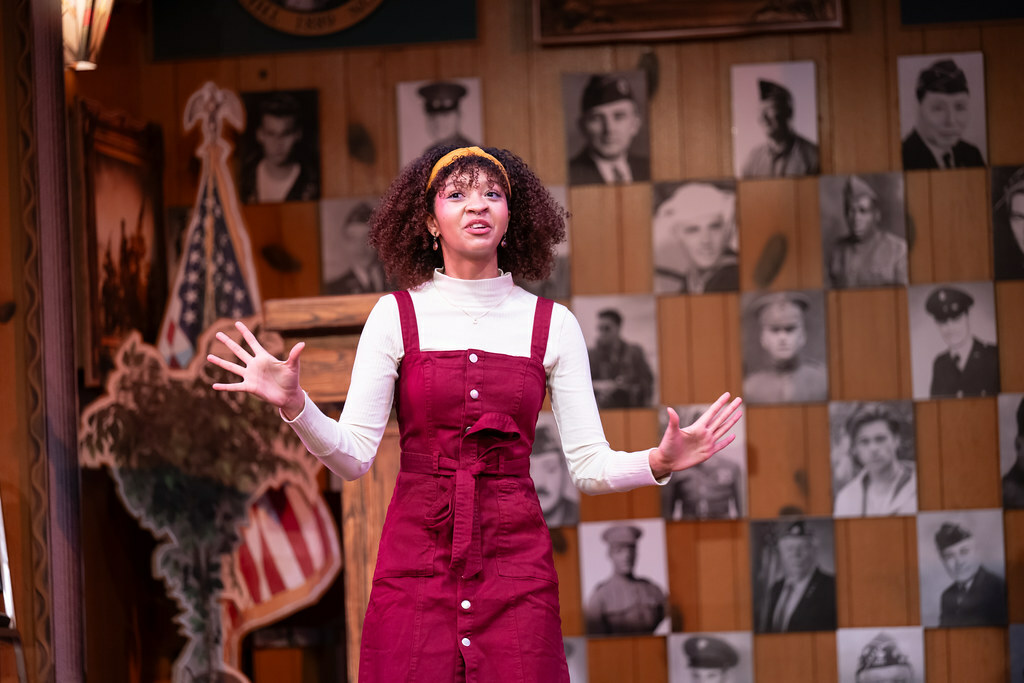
x=445, y=309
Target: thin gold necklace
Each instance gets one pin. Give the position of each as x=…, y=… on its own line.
x=474, y=318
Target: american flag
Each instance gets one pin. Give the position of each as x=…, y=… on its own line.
x=216, y=277
x=289, y=553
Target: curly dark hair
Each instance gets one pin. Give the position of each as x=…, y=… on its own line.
x=398, y=228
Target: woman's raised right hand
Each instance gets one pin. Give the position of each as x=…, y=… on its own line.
x=275, y=381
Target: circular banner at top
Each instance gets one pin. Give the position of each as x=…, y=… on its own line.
x=310, y=17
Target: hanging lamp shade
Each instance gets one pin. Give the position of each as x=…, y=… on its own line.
x=85, y=24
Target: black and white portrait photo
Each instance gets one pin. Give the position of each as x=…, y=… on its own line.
x=942, y=110
x=793, y=575
x=893, y=654
x=624, y=577
x=557, y=285
x=784, y=351
x=874, y=470
x=1011, y=449
x=1008, y=222
x=622, y=339
x=1016, y=653
x=430, y=113
x=559, y=498
x=576, y=659
x=280, y=147
x=962, y=570
x=720, y=657
x=863, y=230
x=349, y=265
x=775, y=120
x=714, y=489
x=694, y=237
x=953, y=340
x=606, y=130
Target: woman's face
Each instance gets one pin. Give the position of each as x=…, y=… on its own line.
x=702, y=237
x=469, y=221
x=942, y=118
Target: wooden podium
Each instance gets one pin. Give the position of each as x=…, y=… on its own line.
x=330, y=326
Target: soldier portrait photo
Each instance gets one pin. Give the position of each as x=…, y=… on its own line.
x=725, y=657
x=775, y=120
x=863, y=230
x=1011, y=449
x=784, y=350
x=606, y=130
x=558, y=284
x=430, y=113
x=714, y=489
x=621, y=335
x=694, y=237
x=962, y=568
x=559, y=498
x=349, y=265
x=874, y=469
x=624, y=577
x=576, y=658
x=279, y=150
x=793, y=575
x=953, y=340
x=881, y=655
x=1008, y=222
x=942, y=110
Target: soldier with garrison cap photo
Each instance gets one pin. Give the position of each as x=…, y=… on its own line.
x=863, y=224
x=962, y=568
x=606, y=112
x=784, y=347
x=942, y=111
x=625, y=602
x=710, y=657
x=774, y=120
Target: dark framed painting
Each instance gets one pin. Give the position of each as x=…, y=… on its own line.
x=566, y=22
x=120, y=237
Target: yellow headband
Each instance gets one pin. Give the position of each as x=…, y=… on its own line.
x=466, y=152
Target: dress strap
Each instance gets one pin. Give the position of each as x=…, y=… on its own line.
x=407, y=316
x=541, y=325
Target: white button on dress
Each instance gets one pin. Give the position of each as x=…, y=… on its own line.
x=465, y=642
x=473, y=393
x=465, y=604
x=473, y=358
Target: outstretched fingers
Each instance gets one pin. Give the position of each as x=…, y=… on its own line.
x=709, y=415
x=234, y=347
x=249, y=337
x=226, y=364
x=722, y=443
x=728, y=417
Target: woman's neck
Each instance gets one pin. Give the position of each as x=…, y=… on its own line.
x=463, y=269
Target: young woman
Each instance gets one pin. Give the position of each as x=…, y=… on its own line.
x=465, y=587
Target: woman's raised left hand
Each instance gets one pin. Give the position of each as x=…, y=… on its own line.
x=689, y=446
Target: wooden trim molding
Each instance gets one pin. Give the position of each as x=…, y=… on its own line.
x=55, y=547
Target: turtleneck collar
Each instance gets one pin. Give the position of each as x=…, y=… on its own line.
x=482, y=293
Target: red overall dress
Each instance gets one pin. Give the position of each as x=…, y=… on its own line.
x=465, y=587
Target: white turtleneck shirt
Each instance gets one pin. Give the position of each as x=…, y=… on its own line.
x=445, y=312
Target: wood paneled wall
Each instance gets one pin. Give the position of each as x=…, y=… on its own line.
x=869, y=356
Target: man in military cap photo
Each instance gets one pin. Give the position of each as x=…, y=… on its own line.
x=970, y=367
x=977, y=597
x=550, y=476
x=942, y=118
x=624, y=603
x=444, y=118
x=868, y=254
x=788, y=375
x=710, y=659
x=882, y=661
x=804, y=598
x=784, y=152
x=1013, y=478
x=609, y=120
x=1008, y=219
x=885, y=484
